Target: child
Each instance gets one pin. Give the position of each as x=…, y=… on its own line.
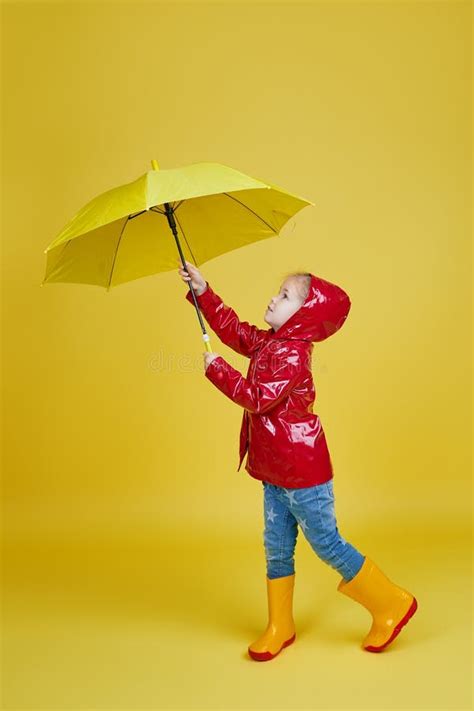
x=287, y=450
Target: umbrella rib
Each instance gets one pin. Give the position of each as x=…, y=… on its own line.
x=162, y=212
x=250, y=210
x=116, y=250
x=62, y=252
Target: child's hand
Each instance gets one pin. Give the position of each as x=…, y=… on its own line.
x=208, y=358
x=192, y=273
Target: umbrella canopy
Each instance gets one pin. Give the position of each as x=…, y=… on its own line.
x=124, y=233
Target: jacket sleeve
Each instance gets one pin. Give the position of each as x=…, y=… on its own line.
x=241, y=336
x=257, y=397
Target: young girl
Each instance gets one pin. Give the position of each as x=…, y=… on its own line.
x=287, y=450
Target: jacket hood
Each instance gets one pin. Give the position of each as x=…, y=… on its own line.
x=321, y=314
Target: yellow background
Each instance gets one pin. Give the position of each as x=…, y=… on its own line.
x=134, y=570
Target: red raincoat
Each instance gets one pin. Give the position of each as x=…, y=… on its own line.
x=285, y=440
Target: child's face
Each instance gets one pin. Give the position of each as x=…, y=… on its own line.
x=284, y=305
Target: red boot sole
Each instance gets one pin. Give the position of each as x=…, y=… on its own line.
x=265, y=656
x=397, y=629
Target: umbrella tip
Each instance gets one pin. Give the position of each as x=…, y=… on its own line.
x=154, y=165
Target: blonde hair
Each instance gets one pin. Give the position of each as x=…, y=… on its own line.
x=302, y=282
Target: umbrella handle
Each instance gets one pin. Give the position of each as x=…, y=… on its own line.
x=205, y=335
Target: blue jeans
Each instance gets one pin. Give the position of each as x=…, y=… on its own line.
x=311, y=507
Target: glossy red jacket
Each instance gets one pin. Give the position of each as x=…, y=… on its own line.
x=285, y=440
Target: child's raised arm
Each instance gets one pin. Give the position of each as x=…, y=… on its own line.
x=241, y=336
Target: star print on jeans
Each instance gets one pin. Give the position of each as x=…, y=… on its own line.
x=291, y=495
x=271, y=515
x=303, y=524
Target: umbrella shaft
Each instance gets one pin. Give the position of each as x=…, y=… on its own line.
x=172, y=224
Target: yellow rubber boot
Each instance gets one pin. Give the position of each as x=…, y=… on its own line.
x=280, y=631
x=390, y=606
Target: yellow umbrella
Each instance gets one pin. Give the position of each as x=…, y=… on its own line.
x=120, y=235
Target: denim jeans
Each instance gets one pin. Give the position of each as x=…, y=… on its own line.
x=311, y=507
